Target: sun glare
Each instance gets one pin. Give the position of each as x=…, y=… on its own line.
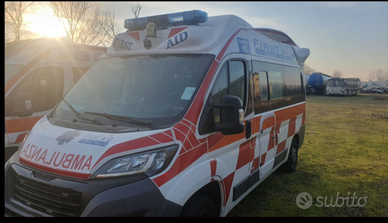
x=44, y=24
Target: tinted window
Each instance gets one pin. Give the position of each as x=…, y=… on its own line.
x=230, y=80
x=45, y=87
x=220, y=87
x=237, y=79
x=276, y=86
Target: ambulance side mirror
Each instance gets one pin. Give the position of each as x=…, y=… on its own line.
x=22, y=105
x=231, y=115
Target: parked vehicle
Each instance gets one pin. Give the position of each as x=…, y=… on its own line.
x=317, y=83
x=37, y=74
x=183, y=116
x=343, y=86
x=375, y=87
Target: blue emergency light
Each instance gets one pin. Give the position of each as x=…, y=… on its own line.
x=180, y=18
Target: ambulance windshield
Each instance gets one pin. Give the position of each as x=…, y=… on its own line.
x=148, y=88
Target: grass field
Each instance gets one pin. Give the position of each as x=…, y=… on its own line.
x=344, y=159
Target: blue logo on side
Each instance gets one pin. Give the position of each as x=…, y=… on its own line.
x=98, y=140
x=243, y=45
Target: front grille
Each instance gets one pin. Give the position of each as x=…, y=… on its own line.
x=53, y=200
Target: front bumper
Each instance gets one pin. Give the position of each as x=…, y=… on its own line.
x=30, y=192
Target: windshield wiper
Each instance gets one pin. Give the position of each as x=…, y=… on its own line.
x=79, y=115
x=123, y=118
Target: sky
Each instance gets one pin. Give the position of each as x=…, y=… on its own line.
x=348, y=36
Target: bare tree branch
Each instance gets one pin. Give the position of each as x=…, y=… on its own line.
x=109, y=28
x=136, y=8
x=82, y=21
x=14, y=17
x=337, y=73
x=308, y=70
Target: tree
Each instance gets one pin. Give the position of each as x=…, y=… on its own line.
x=82, y=21
x=14, y=17
x=136, y=7
x=308, y=70
x=378, y=75
x=337, y=73
x=110, y=28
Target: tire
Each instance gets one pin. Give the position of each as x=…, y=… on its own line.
x=290, y=165
x=199, y=206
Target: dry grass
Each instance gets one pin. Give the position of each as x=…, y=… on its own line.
x=345, y=151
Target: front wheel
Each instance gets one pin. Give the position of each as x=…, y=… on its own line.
x=199, y=206
x=290, y=165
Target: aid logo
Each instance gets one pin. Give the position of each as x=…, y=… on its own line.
x=177, y=39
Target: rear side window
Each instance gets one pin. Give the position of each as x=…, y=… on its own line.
x=276, y=86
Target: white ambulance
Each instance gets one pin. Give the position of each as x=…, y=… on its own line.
x=183, y=116
x=37, y=74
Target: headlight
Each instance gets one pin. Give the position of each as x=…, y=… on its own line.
x=150, y=163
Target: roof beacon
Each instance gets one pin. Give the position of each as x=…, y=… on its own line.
x=180, y=18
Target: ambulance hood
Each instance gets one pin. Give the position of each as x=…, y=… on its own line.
x=79, y=153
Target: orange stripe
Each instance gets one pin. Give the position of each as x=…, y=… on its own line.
x=227, y=140
x=21, y=124
x=268, y=122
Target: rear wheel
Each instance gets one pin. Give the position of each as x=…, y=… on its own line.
x=290, y=165
x=199, y=206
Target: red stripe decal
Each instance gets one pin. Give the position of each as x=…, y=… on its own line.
x=213, y=167
x=281, y=147
x=255, y=164
x=182, y=162
x=271, y=142
x=20, y=137
x=291, y=127
x=162, y=137
x=221, y=54
x=243, y=154
x=175, y=31
x=135, y=35
x=263, y=159
x=227, y=184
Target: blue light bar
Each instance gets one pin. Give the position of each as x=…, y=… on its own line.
x=180, y=18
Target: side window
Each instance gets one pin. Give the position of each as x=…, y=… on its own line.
x=44, y=85
x=220, y=87
x=78, y=72
x=230, y=81
x=275, y=85
x=261, y=91
x=263, y=85
x=237, y=79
